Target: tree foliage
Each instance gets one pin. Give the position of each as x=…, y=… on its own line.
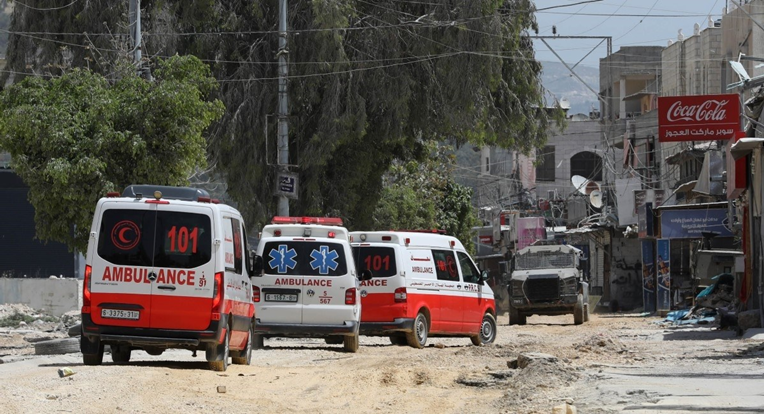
x=370, y=82
x=424, y=196
x=76, y=137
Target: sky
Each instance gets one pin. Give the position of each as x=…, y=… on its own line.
x=628, y=22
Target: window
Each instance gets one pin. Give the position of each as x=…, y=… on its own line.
x=446, y=266
x=160, y=239
x=304, y=258
x=587, y=164
x=470, y=273
x=546, y=163
x=381, y=261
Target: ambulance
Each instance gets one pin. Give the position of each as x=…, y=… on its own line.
x=306, y=284
x=167, y=267
x=424, y=284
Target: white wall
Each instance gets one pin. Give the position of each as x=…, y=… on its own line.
x=56, y=296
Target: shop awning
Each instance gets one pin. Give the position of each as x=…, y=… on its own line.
x=744, y=146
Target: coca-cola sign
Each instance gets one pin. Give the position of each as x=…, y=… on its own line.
x=698, y=118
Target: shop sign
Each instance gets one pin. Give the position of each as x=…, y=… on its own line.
x=698, y=117
x=690, y=223
x=663, y=298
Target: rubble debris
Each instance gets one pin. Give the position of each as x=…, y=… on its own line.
x=748, y=319
x=565, y=408
x=221, y=389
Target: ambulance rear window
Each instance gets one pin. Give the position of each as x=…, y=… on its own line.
x=159, y=239
x=304, y=258
x=380, y=260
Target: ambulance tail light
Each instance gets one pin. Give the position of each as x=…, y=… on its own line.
x=86, y=289
x=331, y=235
x=387, y=238
x=255, y=293
x=399, y=295
x=350, y=296
x=217, y=302
x=112, y=194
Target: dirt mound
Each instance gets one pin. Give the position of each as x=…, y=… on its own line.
x=601, y=343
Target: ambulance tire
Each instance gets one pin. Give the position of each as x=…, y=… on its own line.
x=579, y=310
x=488, y=331
x=258, y=341
x=120, y=354
x=419, y=335
x=218, y=354
x=516, y=318
x=351, y=343
x=334, y=340
x=398, y=339
x=244, y=357
x=92, y=351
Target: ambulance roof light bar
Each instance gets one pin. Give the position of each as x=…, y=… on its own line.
x=331, y=221
x=432, y=231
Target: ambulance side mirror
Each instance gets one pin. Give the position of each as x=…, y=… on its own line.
x=484, y=275
x=257, y=264
x=365, y=274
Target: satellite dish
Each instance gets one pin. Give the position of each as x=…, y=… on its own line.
x=579, y=183
x=596, y=199
x=584, y=185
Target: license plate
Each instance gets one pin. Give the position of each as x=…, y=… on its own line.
x=281, y=297
x=119, y=314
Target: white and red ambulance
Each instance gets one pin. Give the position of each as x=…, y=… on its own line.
x=307, y=284
x=167, y=267
x=423, y=284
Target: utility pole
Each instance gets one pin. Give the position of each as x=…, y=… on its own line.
x=283, y=208
x=134, y=19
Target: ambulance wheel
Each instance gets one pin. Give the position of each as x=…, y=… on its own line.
x=257, y=341
x=244, y=357
x=334, y=340
x=579, y=310
x=351, y=343
x=120, y=354
x=516, y=318
x=217, y=354
x=92, y=351
x=419, y=335
x=397, y=339
x=488, y=331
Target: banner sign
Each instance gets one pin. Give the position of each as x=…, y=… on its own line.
x=649, y=285
x=689, y=224
x=663, y=298
x=698, y=117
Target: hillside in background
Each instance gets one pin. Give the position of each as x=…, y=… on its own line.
x=562, y=84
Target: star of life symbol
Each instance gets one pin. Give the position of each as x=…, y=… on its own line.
x=324, y=259
x=282, y=259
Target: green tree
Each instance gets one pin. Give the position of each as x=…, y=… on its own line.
x=76, y=137
x=424, y=195
x=369, y=81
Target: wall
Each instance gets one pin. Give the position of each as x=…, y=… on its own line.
x=626, y=276
x=56, y=296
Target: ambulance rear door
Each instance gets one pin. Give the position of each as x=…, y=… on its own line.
x=184, y=267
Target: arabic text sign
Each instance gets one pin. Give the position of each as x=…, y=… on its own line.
x=688, y=224
x=698, y=117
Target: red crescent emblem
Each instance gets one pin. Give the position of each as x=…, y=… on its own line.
x=119, y=233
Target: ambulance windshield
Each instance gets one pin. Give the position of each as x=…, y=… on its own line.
x=380, y=260
x=304, y=258
x=151, y=238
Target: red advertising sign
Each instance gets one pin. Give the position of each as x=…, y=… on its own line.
x=698, y=117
